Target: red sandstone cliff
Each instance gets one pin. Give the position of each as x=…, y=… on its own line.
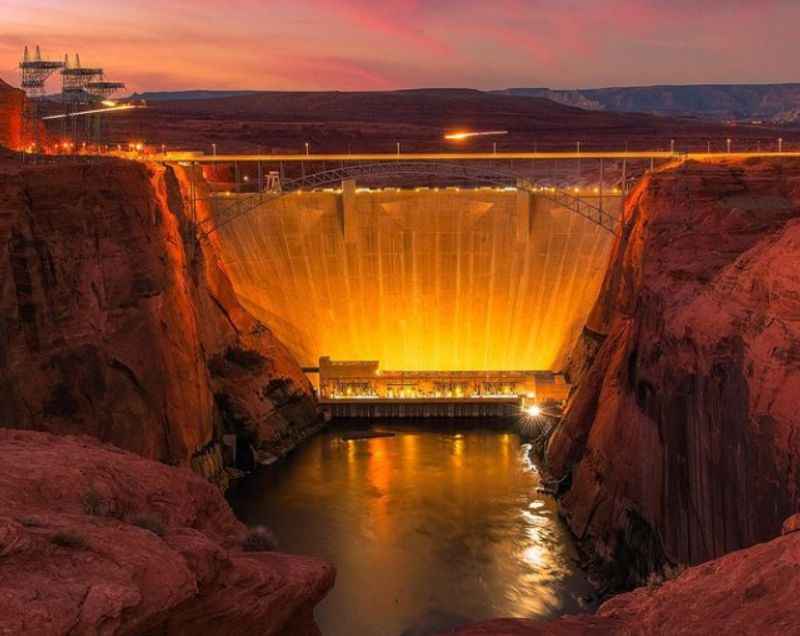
x=12, y=103
x=680, y=442
x=94, y=540
x=114, y=322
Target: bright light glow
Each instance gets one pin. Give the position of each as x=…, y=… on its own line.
x=110, y=103
x=533, y=411
x=535, y=556
x=93, y=111
x=460, y=136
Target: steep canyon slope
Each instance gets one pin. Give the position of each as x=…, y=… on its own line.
x=116, y=322
x=680, y=442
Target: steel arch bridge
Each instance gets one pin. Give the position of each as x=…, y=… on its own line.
x=240, y=205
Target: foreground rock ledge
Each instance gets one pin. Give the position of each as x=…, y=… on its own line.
x=97, y=540
x=749, y=592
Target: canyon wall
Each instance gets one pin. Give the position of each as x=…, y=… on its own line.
x=680, y=441
x=116, y=323
x=12, y=104
x=442, y=279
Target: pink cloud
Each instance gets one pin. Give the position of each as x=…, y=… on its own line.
x=370, y=44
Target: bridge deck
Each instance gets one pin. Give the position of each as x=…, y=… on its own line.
x=463, y=156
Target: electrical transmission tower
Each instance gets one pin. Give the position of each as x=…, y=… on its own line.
x=75, y=81
x=35, y=72
x=82, y=86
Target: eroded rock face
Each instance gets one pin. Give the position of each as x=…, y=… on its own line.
x=113, y=319
x=681, y=439
x=750, y=592
x=94, y=540
x=12, y=103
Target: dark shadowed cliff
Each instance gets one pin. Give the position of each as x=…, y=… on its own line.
x=116, y=323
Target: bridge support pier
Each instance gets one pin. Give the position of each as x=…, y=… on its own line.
x=349, y=211
x=522, y=215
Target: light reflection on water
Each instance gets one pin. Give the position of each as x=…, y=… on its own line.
x=427, y=529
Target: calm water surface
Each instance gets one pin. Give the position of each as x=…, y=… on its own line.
x=427, y=529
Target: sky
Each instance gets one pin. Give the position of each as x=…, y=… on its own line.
x=389, y=44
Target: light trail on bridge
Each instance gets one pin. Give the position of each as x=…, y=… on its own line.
x=94, y=111
x=461, y=136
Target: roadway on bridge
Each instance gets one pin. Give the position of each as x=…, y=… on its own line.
x=465, y=156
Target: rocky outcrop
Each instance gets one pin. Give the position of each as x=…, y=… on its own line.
x=12, y=104
x=94, y=540
x=116, y=322
x=680, y=442
x=748, y=592
x=792, y=524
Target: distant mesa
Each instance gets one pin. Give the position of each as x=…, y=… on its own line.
x=775, y=103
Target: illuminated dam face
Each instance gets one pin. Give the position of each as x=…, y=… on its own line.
x=425, y=279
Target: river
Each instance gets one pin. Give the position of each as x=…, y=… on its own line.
x=428, y=529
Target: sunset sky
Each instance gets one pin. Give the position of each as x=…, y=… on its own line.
x=383, y=44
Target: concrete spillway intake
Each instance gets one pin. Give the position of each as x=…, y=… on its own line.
x=443, y=279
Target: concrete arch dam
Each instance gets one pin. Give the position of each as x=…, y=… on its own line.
x=420, y=279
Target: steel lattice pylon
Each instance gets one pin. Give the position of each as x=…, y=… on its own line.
x=35, y=72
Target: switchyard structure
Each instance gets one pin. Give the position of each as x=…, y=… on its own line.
x=81, y=87
x=75, y=80
x=104, y=89
x=35, y=73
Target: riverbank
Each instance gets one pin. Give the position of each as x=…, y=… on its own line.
x=750, y=592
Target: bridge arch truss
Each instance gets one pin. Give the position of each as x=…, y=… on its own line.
x=231, y=207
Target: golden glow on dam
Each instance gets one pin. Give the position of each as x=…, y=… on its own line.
x=420, y=279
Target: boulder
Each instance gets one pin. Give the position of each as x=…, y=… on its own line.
x=791, y=524
x=97, y=540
